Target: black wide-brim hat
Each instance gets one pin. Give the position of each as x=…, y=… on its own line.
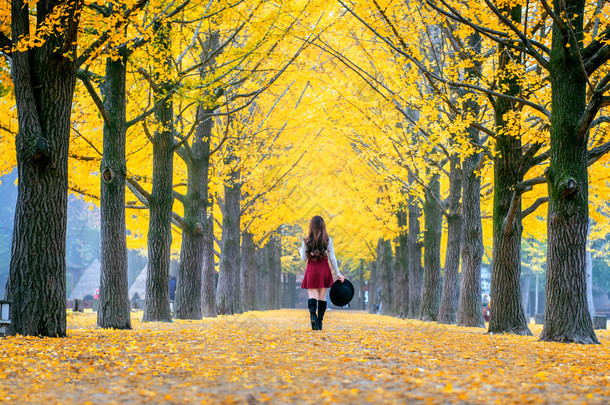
x=341, y=293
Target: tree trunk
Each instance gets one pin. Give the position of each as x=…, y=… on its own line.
x=469, y=302
x=526, y=280
x=536, y=296
x=449, y=299
x=208, y=272
x=401, y=268
x=373, y=300
x=114, y=310
x=469, y=305
x=162, y=198
x=188, y=288
x=291, y=292
x=44, y=79
x=415, y=267
x=590, y=304
x=262, y=277
x=190, y=274
x=566, y=317
x=277, y=270
x=248, y=272
x=506, y=311
x=385, y=261
x=362, y=286
x=271, y=273
x=431, y=289
x=228, y=292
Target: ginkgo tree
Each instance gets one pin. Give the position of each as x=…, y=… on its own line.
x=40, y=41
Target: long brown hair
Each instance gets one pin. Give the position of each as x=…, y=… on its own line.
x=317, y=240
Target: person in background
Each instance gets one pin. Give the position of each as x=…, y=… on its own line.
x=317, y=249
x=486, y=307
x=380, y=302
x=172, y=288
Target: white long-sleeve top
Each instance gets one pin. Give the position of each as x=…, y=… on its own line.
x=330, y=252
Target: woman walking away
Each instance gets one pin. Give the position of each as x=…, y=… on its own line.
x=318, y=250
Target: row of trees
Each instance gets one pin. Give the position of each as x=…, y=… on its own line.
x=514, y=88
x=205, y=67
x=389, y=119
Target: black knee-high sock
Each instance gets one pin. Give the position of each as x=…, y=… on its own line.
x=312, y=305
x=321, y=309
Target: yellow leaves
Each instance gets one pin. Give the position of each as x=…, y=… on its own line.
x=230, y=359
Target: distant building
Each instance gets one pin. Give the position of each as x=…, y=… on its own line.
x=139, y=285
x=88, y=282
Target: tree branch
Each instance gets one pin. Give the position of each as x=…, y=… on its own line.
x=405, y=52
x=180, y=197
x=509, y=219
x=596, y=153
x=140, y=193
x=145, y=197
x=103, y=10
x=6, y=45
x=597, y=103
x=534, y=206
x=539, y=58
x=556, y=19
x=107, y=34
x=84, y=77
x=597, y=52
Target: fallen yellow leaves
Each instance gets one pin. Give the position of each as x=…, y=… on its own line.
x=260, y=357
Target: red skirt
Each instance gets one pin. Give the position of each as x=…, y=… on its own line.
x=317, y=275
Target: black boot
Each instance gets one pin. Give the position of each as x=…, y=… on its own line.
x=321, y=310
x=312, y=305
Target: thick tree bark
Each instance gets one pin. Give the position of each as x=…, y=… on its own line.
x=189, y=289
x=415, y=268
x=190, y=273
x=264, y=288
x=228, y=292
x=431, y=289
x=44, y=79
x=449, y=299
x=566, y=317
x=469, y=302
x=208, y=272
x=469, y=305
x=248, y=271
x=385, y=259
x=162, y=198
x=114, y=310
x=270, y=262
x=507, y=314
x=401, y=268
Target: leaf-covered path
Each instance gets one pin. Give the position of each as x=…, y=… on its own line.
x=272, y=356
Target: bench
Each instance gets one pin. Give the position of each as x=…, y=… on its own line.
x=5, y=319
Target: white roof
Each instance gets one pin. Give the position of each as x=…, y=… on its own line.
x=139, y=284
x=88, y=282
